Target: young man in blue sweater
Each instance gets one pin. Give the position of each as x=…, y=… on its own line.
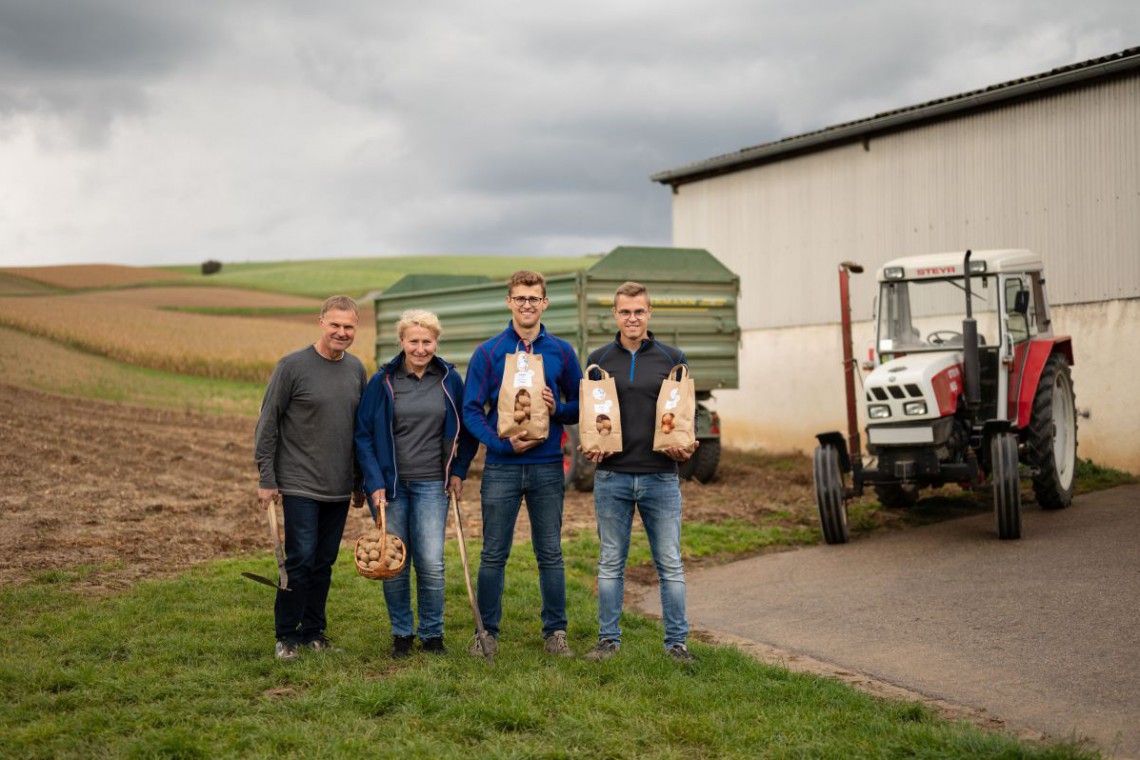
x=518, y=468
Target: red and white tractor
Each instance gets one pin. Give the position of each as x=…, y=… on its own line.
x=967, y=380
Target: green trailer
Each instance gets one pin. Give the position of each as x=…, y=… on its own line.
x=694, y=308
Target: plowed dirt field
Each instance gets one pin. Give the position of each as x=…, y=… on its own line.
x=134, y=492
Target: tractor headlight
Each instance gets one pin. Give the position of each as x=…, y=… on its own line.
x=914, y=407
x=878, y=411
x=893, y=273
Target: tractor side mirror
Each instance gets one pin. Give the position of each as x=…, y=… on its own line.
x=1021, y=302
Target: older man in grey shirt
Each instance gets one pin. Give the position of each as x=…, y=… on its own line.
x=304, y=453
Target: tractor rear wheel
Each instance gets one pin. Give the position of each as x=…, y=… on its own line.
x=577, y=471
x=703, y=463
x=897, y=495
x=829, y=494
x=1006, y=484
x=1051, y=439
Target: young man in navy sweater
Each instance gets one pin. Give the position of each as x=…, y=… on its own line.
x=518, y=468
x=638, y=477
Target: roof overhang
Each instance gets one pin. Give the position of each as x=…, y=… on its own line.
x=1124, y=62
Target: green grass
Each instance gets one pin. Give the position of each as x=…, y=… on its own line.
x=184, y=668
x=43, y=365
x=1094, y=477
x=356, y=277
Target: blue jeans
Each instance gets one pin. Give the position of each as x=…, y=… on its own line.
x=504, y=487
x=418, y=515
x=657, y=496
x=313, y=530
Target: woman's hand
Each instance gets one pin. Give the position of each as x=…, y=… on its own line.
x=454, y=486
x=379, y=498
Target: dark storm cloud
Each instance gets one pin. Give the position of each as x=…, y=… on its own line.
x=87, y=62
x=292, y=129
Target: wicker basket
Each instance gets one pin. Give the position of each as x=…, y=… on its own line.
x=384, y=569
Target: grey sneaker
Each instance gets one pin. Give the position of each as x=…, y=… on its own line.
x=680, y=653
x=476, y=650
x=556, y=645
x=286, y=651
x=604, y=650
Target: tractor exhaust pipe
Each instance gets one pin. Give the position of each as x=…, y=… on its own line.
x=846, y=269
x=970, y=357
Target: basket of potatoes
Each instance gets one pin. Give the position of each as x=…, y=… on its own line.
x=378, y=554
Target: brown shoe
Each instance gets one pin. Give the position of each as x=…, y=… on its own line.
x=557, y=646
x=604, y=650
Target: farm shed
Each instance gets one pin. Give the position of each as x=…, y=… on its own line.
x=1049, y=162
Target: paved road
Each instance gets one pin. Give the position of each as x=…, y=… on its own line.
x=1043, y=633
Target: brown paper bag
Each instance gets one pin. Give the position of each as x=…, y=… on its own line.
x=520, y=398
x=599, y=419
x=675, y=425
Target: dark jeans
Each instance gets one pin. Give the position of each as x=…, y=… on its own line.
x=504, y=487
x=313, y=530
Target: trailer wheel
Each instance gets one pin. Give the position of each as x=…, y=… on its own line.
x=577, y=471
x=703, y=463
x=829, y=494
x=897, y=495
x=1006, y=484
x=1052, y=436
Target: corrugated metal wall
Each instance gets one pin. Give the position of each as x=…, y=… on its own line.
x=1059, y=175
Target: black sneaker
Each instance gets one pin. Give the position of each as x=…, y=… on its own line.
x=402, y=646
x=434, y=645
x=322, y=644
x=680, y=653
x=285, y=650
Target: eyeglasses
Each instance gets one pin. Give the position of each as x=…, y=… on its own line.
x=528, y=300
x=638, y=314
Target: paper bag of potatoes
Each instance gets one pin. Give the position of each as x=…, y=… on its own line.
x=675, y=426
x=599, y=418
x=521, y=407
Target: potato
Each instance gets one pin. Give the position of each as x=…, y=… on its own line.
x=374, y=565
x=373, y=554
x=520, y=415
x=393, y=564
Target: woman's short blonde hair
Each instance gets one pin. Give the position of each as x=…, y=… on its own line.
x=418, y=318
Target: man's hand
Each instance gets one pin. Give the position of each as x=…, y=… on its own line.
x=454, y=486
x=595, y=456
x=379, y=498
x=678, y=454
x=358, y=499
x=548, y=397
x=520, y=443
x=266, y=496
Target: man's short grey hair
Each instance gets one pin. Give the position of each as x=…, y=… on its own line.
x=340, y=303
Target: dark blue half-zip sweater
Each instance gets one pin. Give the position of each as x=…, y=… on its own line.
x=485, y=375
x=375, y=443
x=638, y=378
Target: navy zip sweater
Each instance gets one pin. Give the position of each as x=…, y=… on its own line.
x=375, y=442
x=485, y=375
x=638, y=378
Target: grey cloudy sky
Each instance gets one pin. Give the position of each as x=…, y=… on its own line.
x=172, y=132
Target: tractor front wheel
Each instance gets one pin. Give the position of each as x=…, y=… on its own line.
x=1051, y=439
x=829, y=494
x=1006, y=484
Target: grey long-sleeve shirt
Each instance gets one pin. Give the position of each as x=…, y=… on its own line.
x=303, y=441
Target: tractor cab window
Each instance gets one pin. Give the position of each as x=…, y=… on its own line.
x=1020, y=314
x=926, y=315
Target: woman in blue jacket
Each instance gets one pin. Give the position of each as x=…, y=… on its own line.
x=413, y=451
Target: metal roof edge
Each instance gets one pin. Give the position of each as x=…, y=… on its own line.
x=1097, y=68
